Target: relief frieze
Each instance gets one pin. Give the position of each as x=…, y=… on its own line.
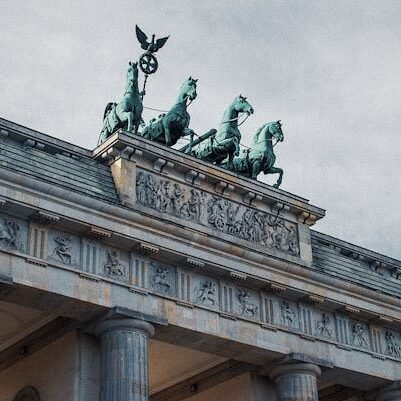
x=12, y=234
x=213, y=211
x=197, y=287
x=162, y=278
x=206, y=293
x=112, y=266
x=360, y=337
x=62, y=249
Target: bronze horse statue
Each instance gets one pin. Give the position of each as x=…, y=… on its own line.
x=128, y=113
x=216, y=146
x=170, y=127
x=260, y=157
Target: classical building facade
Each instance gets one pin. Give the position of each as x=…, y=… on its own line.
x=136, y=272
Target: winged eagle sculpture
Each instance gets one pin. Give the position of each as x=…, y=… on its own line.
x=154, y=45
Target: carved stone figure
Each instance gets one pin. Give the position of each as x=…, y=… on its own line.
x=217, y=212
x=63, y=249
x=225, y=143
x=177, y=199
x=323, y=327
x=113, y=267
x=248, y=309
x=141, y=188
x=9, y=234
x=173, y=125
x=260, y=157
x=287, y=314
x=128, y=113
x=165, y=197
x=392, y=347
x=212, y=210
x=207, y=294
x=358, y=335
x=160, y=281
x=195, y=205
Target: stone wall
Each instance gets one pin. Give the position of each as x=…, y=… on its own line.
x=53, y=371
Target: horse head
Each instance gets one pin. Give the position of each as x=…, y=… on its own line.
x=132, y=72
x=188, y=89
x=275, y=130
x=241, y=105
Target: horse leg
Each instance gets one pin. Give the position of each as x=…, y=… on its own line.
x=130, y=117
x=276, y=170
x=167, y=135
x=256, y=168
x=236, y=144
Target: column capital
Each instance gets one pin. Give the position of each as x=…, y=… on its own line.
x=124, y=324
x=293, y=368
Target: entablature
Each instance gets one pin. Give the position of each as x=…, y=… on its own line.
x=170, y=162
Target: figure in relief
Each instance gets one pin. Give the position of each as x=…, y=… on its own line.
x=9, y=234
x=224, y=215
x=160, y=281
x=392, y=347
x=323, y=326
x=248, y=309
x=195, y=205
x=207, y=294
x=113, y=267
x=141, y=188
x=287, y=314
x=63, y=249
x=358, y=335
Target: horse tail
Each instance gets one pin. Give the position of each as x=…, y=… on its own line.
x=108, y=109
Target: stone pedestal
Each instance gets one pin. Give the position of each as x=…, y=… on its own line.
x=296, y=381
x=124, y=359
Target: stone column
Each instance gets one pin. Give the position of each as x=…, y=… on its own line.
x=391, y=392
x=296, y=381
x=124, y=359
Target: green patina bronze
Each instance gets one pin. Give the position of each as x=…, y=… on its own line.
x=128, y=113
x=170, y=127
x=260, y=157
x=215, y=147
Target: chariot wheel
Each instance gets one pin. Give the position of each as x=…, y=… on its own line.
x=219, y=223
x=148, y=63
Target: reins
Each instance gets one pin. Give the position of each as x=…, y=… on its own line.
x=164, y=111
x=236, y=119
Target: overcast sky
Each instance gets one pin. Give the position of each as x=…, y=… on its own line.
x=330, y=70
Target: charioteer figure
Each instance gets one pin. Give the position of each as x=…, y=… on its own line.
x=215, y=146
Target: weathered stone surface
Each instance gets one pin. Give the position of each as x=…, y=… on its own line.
x=124, y=359
x=296, y=381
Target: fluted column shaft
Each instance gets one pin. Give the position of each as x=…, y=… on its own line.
x=124, y=359
x=296, y=381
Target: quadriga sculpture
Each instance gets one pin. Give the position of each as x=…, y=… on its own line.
x=261, y=157
x=215, y=147
x=170, y=127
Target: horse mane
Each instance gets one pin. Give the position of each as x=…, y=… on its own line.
x=257, y=133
